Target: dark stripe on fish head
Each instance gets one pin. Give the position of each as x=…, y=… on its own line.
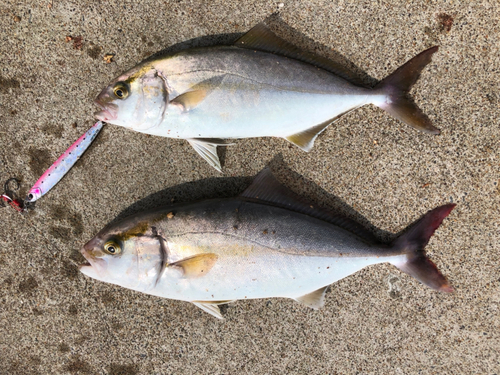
x=139, y=230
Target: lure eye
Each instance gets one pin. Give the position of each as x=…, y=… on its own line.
x=112, y=248
x=120, y=91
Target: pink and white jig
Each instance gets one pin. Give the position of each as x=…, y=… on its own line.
x=63, y=164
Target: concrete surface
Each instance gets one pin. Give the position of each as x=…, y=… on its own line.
x=53, y=320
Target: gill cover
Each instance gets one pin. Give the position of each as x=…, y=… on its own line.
x=152, y=99
x=136, y=100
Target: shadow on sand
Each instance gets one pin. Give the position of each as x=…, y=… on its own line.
x=229, y=187
x=352, y=72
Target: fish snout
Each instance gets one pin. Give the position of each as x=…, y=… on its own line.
x=96, y=266
x=93, y=244
x=108, y=112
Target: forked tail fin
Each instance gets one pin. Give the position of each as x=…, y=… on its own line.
x=413, y=243
x=397, y=85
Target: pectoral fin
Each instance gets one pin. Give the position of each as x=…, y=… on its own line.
x=207, y=149
x=314, y=300
x=196, y=266
x=190, y=99
x=305, y=139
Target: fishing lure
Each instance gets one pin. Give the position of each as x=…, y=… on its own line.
x=62, y=165
x=54, y=174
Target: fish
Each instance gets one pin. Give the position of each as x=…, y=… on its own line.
x=63, y=164
x=262, y=86
x=267, y=242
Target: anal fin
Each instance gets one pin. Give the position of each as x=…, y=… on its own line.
x=305, y=139
x=314, y=300
x=207, y=149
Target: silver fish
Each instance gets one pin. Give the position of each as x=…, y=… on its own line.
x=267, y=242
x=262, y=86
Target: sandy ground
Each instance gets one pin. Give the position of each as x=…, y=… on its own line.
x=54, y=320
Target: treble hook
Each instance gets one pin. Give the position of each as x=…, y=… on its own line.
x=6, y=186
x=9, y=196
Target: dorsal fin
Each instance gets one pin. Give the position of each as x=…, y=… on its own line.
x=261, y=38
x=265, y=188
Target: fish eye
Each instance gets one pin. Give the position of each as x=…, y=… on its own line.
x=111, y=247
x=120, y=90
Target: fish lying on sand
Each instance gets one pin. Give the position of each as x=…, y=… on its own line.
x=262, y=86
x=267, y=242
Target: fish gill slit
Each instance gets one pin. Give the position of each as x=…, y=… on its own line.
x=166, y=95
x=163, y=254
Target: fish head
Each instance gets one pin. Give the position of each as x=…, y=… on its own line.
x=136, y=100
x=127, y=253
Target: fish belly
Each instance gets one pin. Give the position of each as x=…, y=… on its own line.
x=272, y=275
x=264, y=113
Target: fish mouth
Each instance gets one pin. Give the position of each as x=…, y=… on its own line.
x=107, y=113
x=94, y=267
x=83, y=265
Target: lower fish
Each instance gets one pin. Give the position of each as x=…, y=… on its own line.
x=267, y=242
x=261, y=86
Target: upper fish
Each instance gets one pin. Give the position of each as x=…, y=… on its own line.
x=262, y=86
x=267, y=242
